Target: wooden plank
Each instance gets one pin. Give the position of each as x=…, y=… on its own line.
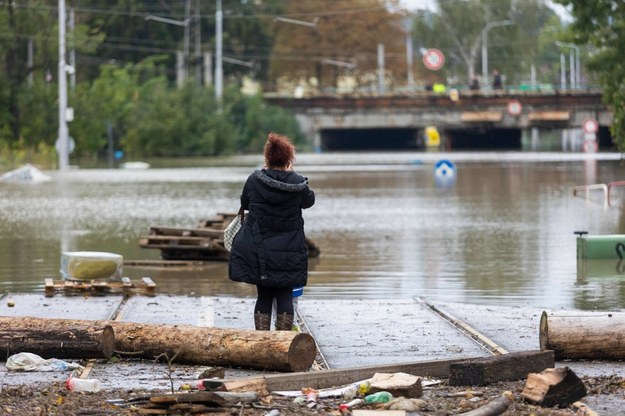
x=481, y=116
x=506, y=367
x=186, y=232
x=181, y=264
x=49, y=287
x=337, y=377
x=549, y=116
x=168, y=240
x=146, y=286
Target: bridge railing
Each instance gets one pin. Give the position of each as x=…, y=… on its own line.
x=606, y=191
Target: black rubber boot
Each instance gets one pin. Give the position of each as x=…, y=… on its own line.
x=262, y=321
x=284, y=322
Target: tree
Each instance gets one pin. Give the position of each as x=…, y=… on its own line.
x=34, y=23
x=598, y=24
x=347, y=31
x=457, y=30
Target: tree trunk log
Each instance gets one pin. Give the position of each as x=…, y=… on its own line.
x=267, y=350
x=56, y=338
x=583, y=335
x=554, y=386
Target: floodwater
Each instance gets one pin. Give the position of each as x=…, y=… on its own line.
x=501, y=233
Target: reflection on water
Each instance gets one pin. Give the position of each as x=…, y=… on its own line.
x=502, y=233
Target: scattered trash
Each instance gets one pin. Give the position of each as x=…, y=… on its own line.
x=301, y=400
x=273, y=412
x=379, y=397
x=26, y=361
x=204, y=384
x=345, y=407
x=83, y=384
x=409, y=405
x=311, y=397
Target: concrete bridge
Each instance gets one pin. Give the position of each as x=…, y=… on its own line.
x=464, y=120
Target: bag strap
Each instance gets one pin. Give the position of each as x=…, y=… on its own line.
x=241, y=214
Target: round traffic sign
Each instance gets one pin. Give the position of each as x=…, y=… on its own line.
x=433, y=59
x=590, y=126
x=71, y=145
x=515, y=107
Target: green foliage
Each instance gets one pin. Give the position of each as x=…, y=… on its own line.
x=456, y=29
x=599, y=23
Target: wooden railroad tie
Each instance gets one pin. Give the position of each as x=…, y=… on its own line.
x=100, y=287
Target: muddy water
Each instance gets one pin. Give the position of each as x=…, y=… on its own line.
x=501, y=233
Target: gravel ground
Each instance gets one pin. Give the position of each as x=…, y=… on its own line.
x=54, y=399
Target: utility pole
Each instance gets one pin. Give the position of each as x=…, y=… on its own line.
x=219, y=81
x=573, y=62
x=72, y=51
x=187, y=35
x=381, y=88
x=485, y=30
x=197, y=60
x=63, y=139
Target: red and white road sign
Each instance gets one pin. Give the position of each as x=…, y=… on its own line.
x=590, y=126
x=515, y=107
x=433, y=59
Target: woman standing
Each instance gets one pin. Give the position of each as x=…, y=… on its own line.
x=270, y=249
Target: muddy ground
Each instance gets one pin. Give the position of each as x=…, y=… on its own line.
x=55, y=399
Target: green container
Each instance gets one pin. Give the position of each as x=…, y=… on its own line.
x=597, y=247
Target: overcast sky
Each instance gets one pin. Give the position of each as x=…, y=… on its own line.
x=431, y=4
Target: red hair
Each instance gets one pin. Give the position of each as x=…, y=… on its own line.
x=279, y=151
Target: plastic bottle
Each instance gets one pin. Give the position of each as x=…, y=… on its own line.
x=351, y=392
x=311, y=397
x=205, y=384
x=83, y=384
x=379, y=397
x=344, y=407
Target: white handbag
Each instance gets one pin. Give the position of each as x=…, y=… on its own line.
x=232, y=229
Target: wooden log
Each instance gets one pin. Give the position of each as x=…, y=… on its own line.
x=493, y=408
x=583, y=335
x=212, y=398
x=554, y=386
x=337, y=377
x=266, y=350
x=506, y=367
x=56, y=338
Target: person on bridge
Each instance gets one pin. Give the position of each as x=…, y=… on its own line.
x=497, y=82
x=270, y=249
x=475, y=83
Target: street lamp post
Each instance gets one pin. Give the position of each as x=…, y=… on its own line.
x=219, y=71
x=574, y=63
x=63, y=140
x=488, y=27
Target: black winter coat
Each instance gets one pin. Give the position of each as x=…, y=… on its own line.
x=270, y=249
